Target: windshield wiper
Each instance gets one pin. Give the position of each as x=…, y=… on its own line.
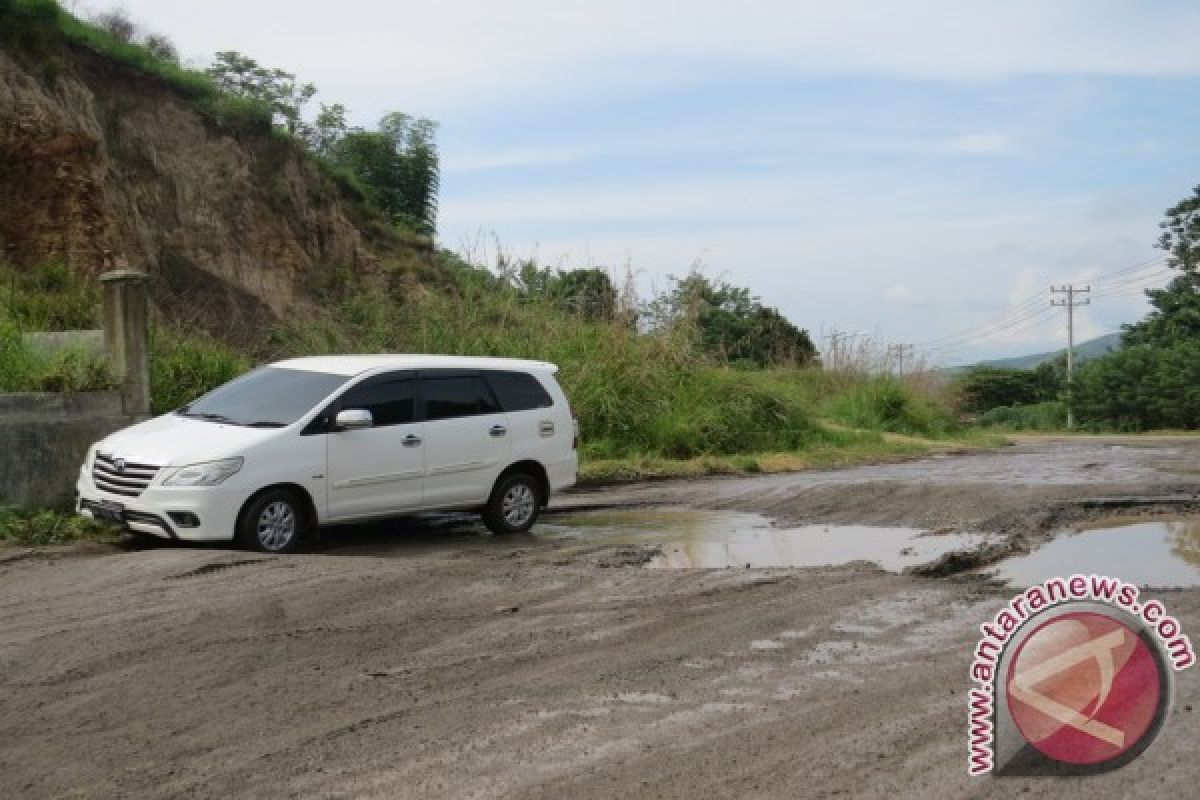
x=210, y=417
x=266, y=423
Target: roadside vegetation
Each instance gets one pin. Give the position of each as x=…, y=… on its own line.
x=702, y=378
x=31, y=527
x=1152, y=382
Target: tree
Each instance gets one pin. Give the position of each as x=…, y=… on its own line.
x=398, y=164
x=1176, y=314
x=117, y=23
x=161, y=47
x=733, y=325
x=274, y=88
x=328, y=129
x=1153, y=381
x=1181, y=233
x=1143, y=387
x=413, y=139
x=985, y=388
x=587, y=293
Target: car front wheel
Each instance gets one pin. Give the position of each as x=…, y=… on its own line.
x=274, y=522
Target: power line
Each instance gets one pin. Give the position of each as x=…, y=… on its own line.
x=1022, y=322
x=1020, y=312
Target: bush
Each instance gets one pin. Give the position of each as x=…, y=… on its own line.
x=52, y=297
x=885, y=404
x=38, y=527
x=185, y=366
x=1141, y=388
x=1049, y=416
x=22, y=370
x=984, y=388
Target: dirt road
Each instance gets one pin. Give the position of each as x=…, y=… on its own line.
x=425, y=659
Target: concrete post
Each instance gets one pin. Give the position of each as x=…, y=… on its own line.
x=127, y=335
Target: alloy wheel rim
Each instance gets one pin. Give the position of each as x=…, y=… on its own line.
x=518, y=505
x=276, y=525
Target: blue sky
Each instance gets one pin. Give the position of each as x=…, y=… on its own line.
x=913, y=170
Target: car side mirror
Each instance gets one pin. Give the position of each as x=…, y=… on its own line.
x=353, y=419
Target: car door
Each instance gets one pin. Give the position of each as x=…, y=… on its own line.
x=378, y=470
x=535, y=426
x=467, y=442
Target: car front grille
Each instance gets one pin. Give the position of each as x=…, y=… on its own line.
x=117, y=476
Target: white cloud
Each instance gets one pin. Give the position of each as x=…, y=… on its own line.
x=901, y=293
x=430, y=56
x=507, y=159
x=981, y=144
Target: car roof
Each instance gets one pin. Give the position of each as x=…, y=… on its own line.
x=358, y=364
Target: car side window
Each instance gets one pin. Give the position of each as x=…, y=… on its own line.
x=459, y=396
x=391, y=402
x=518, y=391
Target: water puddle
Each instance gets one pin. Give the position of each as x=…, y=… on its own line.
x=709, y=539
x=1161, y=553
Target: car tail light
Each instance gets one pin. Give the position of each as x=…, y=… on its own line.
x=575, y=426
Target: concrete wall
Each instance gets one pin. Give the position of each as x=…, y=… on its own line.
x=44, y=438
x=90, y=343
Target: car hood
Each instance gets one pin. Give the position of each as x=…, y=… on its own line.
x=174, y=441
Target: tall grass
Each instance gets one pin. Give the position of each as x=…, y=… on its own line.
x=1048, y=416
x=644, y=393
x=52, y=298
x=185, y=365
x=634, y=392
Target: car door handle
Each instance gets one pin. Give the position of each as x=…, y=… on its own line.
x=498, y=430
x=411, y=440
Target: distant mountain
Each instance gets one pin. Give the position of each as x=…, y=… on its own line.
x=1084, y=351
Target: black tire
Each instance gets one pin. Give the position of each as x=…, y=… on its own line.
x=514, y=505
x=276, y=521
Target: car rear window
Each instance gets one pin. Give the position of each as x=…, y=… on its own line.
x=518, y=391
x=446, y=398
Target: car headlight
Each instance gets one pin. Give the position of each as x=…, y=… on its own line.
x=209, y=473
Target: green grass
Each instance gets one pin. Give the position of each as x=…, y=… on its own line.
x=828, y=452
x=23, y=370
x=1050, y=416
x=634, y=393
x=52, y=298
x=649, y=404
x=39, y=527
x=184, y=366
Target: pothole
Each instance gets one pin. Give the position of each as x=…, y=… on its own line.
x=1159, y=553
x=715, y=539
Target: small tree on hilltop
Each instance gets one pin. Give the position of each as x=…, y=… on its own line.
x=117, y=23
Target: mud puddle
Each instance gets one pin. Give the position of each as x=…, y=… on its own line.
x=1159, y=553
x=715, y=539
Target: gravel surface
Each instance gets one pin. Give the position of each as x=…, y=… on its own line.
x=422, y=659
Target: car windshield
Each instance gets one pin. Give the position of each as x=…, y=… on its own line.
x=270, y=397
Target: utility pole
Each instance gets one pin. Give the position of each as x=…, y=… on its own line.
x=835, y=340
x=900, y=352
x=1070, y=302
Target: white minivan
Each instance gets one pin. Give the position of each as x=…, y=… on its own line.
x=268, y=457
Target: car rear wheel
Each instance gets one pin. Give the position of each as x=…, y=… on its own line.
x=514, y=505
x=274, y=522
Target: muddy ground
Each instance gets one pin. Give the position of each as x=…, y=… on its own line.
x=422, y=658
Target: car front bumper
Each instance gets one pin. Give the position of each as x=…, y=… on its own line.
x=190, y=513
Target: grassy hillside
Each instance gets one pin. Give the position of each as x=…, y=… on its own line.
x=638, y=393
